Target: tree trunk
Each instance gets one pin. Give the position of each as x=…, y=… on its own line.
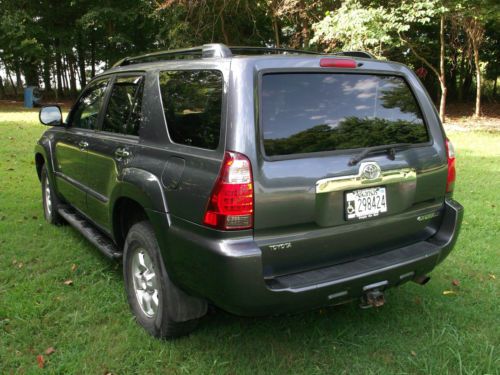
x=7, y=71
x=46, y=74
x=81, y=62
x=64, y=74
x=2, y=88
x=58, y=69
x=477, y=111
x=72, y=78
x=92, y=57
x=442, y=101
x=276, y=30
x=461, y=80
x=467, y=83
x=19, y=81
x=495, y=88
x=475, y=32
x=442, y=72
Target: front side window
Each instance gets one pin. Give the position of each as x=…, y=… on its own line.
x=86, y=112
x=317, y=112
x=192, y=103
x=123, y=114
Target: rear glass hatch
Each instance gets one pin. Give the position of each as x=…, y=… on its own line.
x=347, y=162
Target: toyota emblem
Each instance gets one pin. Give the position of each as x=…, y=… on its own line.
x=370, y=171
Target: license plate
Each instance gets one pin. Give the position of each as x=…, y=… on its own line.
x=365, y=203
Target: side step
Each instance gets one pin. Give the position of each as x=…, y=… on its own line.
x=104, y=244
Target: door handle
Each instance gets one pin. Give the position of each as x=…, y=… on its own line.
x=83, y=145
x=122, y=153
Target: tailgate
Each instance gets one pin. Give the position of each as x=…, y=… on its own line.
x=313, y=206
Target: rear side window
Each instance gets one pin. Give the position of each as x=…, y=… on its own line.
x=192, y=102
x=123, y=114
x=315, y=112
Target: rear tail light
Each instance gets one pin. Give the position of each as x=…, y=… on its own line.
x=452, y=174
x=231, y=203
x=337, y=63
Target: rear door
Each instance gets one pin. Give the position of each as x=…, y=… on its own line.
x=113, y=147
x=314, y=204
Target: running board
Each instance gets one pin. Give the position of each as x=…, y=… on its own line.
x=103, y=243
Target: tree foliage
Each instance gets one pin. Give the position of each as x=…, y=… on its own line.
x=60, y=45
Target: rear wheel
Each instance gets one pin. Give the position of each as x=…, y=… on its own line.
x=148, y=286
x=50, y=201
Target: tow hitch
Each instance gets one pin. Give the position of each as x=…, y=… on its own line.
x=372, y=298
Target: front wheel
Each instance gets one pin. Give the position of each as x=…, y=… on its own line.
x=150, y=293
x=49, y=199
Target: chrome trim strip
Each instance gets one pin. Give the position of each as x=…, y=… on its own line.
x=357, y=181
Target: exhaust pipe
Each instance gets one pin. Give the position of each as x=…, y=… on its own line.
x=373, y=298
x=422, y=279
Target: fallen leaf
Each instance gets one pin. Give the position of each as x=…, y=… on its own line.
x=413, y=353
x=455, y=282
x=448, y=292
x=50, y=350
x=492, y=276
x=68, y=282
x=73, y=267
x=40, y=360
x=20, y=265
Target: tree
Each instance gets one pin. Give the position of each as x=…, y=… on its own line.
x=374, y=28
x=474, y=15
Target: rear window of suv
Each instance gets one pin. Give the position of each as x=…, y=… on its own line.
x=192, y=103
x=317, y=112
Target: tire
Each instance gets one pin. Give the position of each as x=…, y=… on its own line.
x=151, y=295
x=49, y=199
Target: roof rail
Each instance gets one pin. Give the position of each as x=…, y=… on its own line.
x=214, y=50
x=204, y=51
x=362, y=54
x=240, y=49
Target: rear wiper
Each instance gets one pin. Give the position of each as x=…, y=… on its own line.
x=391, y=152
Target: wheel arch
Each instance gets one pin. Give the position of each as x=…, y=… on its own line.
x=39, y=163
x=41, y=159
x=138, y=194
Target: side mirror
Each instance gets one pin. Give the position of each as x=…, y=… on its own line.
x=51, y=115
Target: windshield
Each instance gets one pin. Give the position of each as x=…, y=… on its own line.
x=315, y=112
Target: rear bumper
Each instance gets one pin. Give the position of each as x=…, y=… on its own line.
x=228, y=271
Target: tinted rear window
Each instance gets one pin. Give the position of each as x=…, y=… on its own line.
x=192, y=102
x=315, y=112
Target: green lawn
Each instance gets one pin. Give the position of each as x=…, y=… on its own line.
x=419, y=330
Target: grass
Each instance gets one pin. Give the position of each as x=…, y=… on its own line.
x=419, y=331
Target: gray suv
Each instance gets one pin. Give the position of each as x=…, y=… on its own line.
x=258, y=180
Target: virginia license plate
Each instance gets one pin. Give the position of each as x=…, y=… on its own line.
x=365, y=203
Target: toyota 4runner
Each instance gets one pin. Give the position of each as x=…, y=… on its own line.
x=258, y=180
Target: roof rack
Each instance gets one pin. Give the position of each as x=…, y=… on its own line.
x=220, y=50
x=362, y=54
x=204, y=51
x=268, y=50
